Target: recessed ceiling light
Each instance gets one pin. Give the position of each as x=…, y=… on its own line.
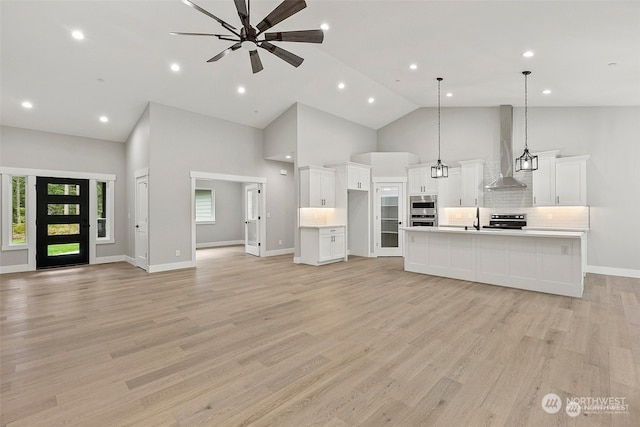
x=528, y=54
x=287, y=156
x=372, y=100
x=241, y=89
x=324, y=26
x=175, y=67
x=413, y=66
x=104, y=119
x=546, y=91
x=449, y=94
x=27, y=105
x=77, y=34
x=341, y=85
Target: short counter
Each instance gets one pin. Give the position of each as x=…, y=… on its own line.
x=538, y=260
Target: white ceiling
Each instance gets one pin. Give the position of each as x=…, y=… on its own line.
x=476, y=46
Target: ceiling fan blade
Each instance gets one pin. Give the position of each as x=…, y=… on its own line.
x=241, y=7
x=280, y=13
x=175, y=33
x=306, y=36
x=225, y=52
x=256, y=63
x=220, y=21
x=283, y=54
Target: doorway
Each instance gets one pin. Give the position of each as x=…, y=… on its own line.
x=252, y=219
x=389, y=216
x=62, y=222
x=142, y=222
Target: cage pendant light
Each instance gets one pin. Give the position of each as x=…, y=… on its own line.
x=526, y=162
x=439, y=170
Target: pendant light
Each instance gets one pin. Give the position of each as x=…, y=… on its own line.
x=526, y=162
x=439, y=170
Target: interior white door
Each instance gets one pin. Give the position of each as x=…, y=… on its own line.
x=142, y=222
x=252, y=219
x=389, y=217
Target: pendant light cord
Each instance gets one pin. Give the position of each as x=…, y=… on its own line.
x=526, y=108
x=439, y=80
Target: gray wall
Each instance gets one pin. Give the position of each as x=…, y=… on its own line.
x=281, y=205
x=608, y=134
x=281, y=135
x=181, y=142
x=324, y=138
x=229, y=211
x=137, y=158
x=23, y=148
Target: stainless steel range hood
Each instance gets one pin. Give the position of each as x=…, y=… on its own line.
x=506, y=181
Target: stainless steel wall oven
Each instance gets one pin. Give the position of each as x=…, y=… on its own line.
x=423, y=211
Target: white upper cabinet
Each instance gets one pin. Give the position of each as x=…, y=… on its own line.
x=317, y=187
x=560, y=181
x=543, y=180
x=571, y=181
x=420, y=181
x=358, y=177
x=471, y=176
x=449, y=194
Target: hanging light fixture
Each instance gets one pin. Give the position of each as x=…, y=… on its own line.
x=439, y=170
x=526, y=162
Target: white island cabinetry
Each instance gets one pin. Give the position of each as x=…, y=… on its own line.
x=543, y=261
x=322, y=244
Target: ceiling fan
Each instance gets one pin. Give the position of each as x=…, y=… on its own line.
x=248, y=36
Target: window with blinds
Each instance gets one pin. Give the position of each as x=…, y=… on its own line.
x=205, y=205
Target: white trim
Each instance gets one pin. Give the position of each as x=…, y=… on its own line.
x=277, y=252
x=109, y=259
x=218, y=244
x=392, y=179
x=141, y=172
x=226, y=177
x=130, y=260
x=14, y=268
x=171, y=266
x=31, y=221
x=57, y=174
x=93, y=220
x=611, y=271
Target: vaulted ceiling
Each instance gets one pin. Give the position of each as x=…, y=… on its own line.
x=586, y=52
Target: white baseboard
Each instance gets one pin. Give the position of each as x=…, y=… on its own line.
x=14, y=268
x=279, y=252
x=296, y=260
x=108, y=259
x=130, y=260
x=171, y=266
x=610, y=271
x=217, y=244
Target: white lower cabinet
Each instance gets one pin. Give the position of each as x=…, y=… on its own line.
x=322, y=245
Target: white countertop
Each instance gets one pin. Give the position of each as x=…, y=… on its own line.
x=498, y=232
x=322, y=226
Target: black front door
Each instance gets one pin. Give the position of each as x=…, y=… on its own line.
x=62, y=236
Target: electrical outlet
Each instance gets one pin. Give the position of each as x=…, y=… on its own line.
x=280, y=242
x=564, y=250
x=177, y=252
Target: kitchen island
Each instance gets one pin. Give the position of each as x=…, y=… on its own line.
x=537, y=260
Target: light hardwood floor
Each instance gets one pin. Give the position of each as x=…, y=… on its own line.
x=243, y=341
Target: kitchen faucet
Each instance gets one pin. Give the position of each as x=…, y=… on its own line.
x=476, y=222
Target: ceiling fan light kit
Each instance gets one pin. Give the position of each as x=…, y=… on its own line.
x=248, y=38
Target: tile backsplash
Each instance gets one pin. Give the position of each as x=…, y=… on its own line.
x=550, y=216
